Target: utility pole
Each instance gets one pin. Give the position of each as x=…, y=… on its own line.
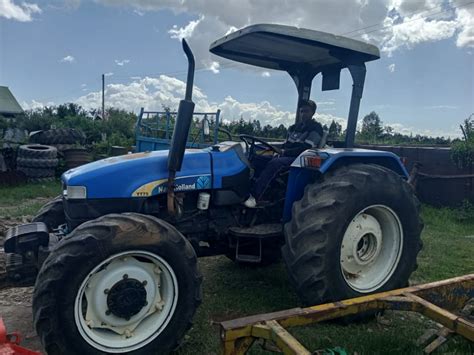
x=103, y=96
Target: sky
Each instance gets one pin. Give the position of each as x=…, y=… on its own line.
x=53, y=51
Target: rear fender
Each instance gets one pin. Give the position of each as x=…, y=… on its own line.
x=331, y=159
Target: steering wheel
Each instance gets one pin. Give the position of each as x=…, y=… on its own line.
x=250, y=144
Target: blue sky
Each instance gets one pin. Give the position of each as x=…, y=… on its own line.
x=55, y=52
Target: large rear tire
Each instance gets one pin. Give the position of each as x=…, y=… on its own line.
x=357, y=232
x=123, y=283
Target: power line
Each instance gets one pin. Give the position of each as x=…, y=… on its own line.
x=233, y=65
x=381, y=23
x=412, y=20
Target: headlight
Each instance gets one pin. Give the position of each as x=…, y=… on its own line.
x=75, y=192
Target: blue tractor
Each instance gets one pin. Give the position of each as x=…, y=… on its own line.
x=115, y=257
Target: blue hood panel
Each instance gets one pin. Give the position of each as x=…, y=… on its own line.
x=140, y=175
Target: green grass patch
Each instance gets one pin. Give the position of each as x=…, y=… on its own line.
x=231, y=291
x=448, y=248
x=26, y=200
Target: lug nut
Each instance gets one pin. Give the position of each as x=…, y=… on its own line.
x=125, y=276
x=144, y=283
x=107, y=312
x=106, y=291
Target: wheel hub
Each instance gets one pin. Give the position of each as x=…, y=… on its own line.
x=367, y=247
x=126, y=301
x=126, y=298
x=371, y=248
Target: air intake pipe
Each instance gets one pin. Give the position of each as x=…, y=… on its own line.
x=181, y=131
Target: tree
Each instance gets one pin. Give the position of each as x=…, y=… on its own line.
x=371, y=127
x=335, y=130
x=462, y=151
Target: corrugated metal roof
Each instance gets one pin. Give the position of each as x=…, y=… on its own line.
x=8, y=103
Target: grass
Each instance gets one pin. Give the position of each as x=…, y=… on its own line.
x=231, y=291
x=26, y=200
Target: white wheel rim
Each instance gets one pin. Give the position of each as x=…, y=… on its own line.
x=371, y=248
x=105, y=330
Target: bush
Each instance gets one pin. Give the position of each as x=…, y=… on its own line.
x=462, y=151
x=465, y=213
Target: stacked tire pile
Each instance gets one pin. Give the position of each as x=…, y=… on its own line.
x=38, y=162
x=61, y=138
x=69, y=144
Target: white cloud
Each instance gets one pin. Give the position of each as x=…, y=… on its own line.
x=139, y=13
x=391, y=24
x=33, y=104
x=109, y=74
x=414, y=30
x=453, y=132
x=22, y=13
x=68, y=59
x=186, y=31
x=329, y=102
x=465, y=17
x=122, y=62
x=391, y=67
x=83, y=85
x=442, y=107
x=214, y=67
x=153, y=93
x=266, y=74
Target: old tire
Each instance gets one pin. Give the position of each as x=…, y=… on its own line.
x=52, y=213
x=99, y=272
x=37, y=151
x=324, y=233
x=37, y=172
x=37, y=163
x=58, y=136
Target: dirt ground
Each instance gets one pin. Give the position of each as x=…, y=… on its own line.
x=15, y=309
x=15, y=303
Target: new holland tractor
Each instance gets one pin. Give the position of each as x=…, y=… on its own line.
x=114, y=258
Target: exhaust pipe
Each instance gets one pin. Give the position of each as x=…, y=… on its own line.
x=181, y=131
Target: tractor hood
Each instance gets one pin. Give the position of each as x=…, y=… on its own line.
x=140, y=175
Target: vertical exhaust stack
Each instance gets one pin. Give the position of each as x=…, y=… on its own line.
x=181, y=130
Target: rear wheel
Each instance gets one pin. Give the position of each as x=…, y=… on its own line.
x=357, y=232
x=119, y=284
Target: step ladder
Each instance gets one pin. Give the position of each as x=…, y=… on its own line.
x=248, y=248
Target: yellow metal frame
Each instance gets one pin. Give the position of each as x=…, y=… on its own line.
x=437, y=301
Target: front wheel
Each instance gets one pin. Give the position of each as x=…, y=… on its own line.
x=357, y=232
x=124, y=283
x=52, y=214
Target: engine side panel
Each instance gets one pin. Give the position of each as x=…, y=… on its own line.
x=140, y=175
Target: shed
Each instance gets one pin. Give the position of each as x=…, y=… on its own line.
x=9, y=106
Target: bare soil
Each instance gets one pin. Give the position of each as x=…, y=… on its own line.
x=15, y=309
x=15, y=303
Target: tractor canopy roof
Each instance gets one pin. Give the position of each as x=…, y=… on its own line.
x=286, y=48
